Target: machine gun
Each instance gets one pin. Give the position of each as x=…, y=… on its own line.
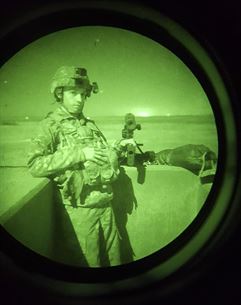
x=132, y=156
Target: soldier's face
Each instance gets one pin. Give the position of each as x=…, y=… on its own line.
x=74, y=100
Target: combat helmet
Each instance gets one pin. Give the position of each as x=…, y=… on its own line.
x=69, y=76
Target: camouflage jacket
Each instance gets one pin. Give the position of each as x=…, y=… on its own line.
x=56, y=152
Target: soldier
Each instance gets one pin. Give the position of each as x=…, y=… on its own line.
x=72, y=151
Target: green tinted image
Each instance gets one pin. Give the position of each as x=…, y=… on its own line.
x=108, y=146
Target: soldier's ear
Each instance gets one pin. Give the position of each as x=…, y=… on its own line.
x=58, y=94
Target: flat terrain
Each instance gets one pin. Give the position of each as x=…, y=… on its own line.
x=157, y=133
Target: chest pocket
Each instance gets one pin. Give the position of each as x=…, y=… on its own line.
x=70, y=133
x=95, y=174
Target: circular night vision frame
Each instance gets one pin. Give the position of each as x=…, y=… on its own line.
x=167, y=209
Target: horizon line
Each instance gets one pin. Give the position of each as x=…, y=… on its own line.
x=26, y=117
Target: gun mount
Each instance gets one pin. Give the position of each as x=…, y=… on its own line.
x=132, y=156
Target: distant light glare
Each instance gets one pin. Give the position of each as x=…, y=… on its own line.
x=143, y=113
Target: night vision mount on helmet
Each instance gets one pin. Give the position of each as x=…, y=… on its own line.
x=69, y=76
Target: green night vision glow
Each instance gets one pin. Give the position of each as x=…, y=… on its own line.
x=134, y=163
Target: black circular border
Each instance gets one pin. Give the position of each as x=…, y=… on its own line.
x=61, y=18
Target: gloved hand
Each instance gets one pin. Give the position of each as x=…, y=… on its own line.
x=95, y=154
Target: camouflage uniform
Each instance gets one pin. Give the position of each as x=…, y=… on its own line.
x=85, y=187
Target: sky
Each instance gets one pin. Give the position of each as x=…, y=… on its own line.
x=134, y=73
